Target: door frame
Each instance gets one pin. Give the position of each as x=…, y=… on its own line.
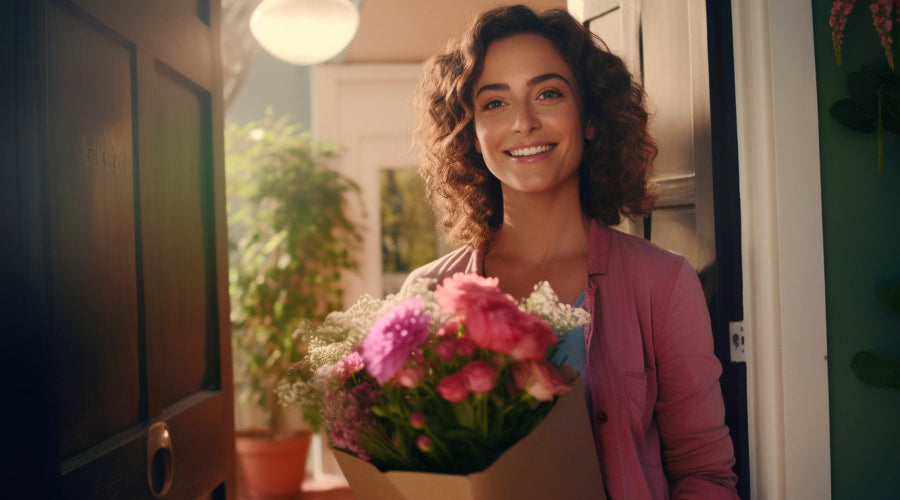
x=783, y=261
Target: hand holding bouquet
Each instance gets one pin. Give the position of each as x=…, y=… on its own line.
x=442, y=381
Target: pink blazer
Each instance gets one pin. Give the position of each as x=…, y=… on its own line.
x=651, y=378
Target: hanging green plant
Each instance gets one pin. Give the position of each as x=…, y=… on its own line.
x=871, y=368
x=873, y=104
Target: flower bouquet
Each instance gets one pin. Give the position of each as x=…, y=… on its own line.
x=445, y=383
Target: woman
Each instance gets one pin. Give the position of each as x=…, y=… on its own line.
x=534, y=142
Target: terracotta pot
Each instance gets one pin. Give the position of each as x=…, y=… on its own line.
x=272, y=466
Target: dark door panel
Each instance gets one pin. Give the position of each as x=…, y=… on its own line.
x=120, y=319
x=90, y=162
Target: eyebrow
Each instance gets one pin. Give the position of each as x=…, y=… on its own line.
x=532, y=82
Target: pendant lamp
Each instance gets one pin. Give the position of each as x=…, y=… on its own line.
x=304, y=32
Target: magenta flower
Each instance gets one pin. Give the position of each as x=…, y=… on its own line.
x=881, y=18
x=453, y=387
x=480, y=376
x=840, y=9
x=884, y=14
x=350, y=418
x=394, y=337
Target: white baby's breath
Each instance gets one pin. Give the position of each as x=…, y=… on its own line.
x=544, y=302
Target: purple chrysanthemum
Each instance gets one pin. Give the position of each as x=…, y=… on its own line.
x=394, y=337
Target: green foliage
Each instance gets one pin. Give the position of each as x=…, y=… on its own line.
x=876, y=371
x=873, y=105
x=408, y=236
x=870, y=368
x=290, y=242
x=890, y=295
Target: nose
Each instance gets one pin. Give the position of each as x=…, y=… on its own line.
x=527, y=120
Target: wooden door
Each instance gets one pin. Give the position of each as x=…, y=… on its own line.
x=680, y=51
x=119, y=231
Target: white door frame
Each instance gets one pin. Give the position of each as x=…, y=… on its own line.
x=782, y=245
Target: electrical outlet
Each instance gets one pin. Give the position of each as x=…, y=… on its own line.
x=736, y=339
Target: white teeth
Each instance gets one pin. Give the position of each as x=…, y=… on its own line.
x=531, y=151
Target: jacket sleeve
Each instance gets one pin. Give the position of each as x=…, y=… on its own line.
x=696, y=447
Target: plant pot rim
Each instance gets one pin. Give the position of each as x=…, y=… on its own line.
x=270, y=435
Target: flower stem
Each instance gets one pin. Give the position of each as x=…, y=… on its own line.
x=880, y=133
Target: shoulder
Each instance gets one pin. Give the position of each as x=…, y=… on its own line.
x=642, y=269
x=461, y=260
x=643, y=257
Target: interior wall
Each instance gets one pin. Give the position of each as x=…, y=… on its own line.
x=368, y=110
x=861, y=224
x=270, y=82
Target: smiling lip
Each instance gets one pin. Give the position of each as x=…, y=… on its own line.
x=531, y=151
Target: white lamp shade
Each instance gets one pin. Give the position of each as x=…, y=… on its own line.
x=304, y=31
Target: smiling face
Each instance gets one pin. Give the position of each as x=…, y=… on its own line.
x=528, y=121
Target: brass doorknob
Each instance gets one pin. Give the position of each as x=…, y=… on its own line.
x=160, y=459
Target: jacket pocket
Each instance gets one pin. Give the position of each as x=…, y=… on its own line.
x=641, y=390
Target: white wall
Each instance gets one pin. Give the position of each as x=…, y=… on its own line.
x=367, y=109
x=270, y=82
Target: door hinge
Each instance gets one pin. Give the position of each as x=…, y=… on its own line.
x=736, y=341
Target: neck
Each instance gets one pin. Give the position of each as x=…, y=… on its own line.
x=539, y=227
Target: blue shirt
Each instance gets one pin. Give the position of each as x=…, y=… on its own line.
x=571, y=345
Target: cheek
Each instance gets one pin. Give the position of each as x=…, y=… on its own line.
x=481, y=133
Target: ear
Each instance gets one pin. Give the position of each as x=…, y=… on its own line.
x=477, y=146
x=589, y=132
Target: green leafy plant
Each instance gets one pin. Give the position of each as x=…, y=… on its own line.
x=291, y=240
x=873, y=104
x=870, y=368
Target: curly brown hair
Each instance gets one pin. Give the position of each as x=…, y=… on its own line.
x=615, y=167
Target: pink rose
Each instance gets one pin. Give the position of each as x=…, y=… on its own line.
x=348, y=365
x=539, y=378
x=508, y=330
x=450, y=328
x=480, y=376
x=417, y=420
x=423, y=443
x=453, y=387
x=459, y=293
x=465, y=346
x=445, y=349
x=409, y=377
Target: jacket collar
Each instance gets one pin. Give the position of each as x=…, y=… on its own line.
x=476, y=262
x=598, y=251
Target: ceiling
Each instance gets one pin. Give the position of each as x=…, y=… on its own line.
x=413, y=30
x=390, y=31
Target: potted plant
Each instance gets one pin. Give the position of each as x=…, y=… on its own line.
x=290, y=239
